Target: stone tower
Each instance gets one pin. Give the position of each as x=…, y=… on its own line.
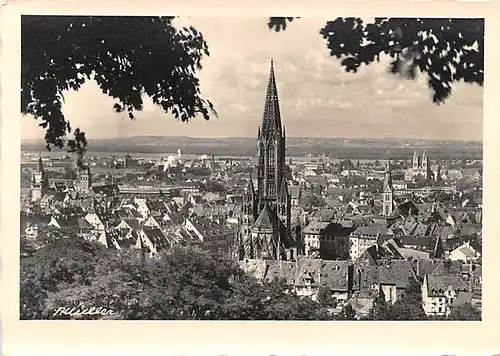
x=83, y=181
x=415, y=161
x=271, y=198
x=388, y=193
x=39, y=182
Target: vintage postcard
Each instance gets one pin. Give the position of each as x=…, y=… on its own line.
x=220, y=166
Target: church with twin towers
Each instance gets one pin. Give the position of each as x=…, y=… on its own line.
x=266, y=211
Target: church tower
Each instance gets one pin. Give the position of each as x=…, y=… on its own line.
x=388, y=193
x=269, y=215
x=415, y=161
x=437, y=176
x=271, y=147
x=83, y=178
x=426, y=167
x=39, y=182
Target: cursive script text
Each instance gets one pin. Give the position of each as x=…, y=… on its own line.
x=83, y=311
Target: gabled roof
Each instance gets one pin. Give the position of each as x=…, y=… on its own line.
x=396, y=272
x=437, y=285
x=372, y=230
x=324, y=214
x=157, y=237
x=208, y=228
x=266, y=219
x=438, y=267
x=316, y=227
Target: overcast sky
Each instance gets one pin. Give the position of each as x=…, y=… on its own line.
x=317, y=97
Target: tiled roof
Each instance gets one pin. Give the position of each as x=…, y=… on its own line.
x=324, y=214
x=438, y=284
x=397, y=272
x=266, y=219
x=438, y=267
x=469, y=229
x=157, y=237
x=155, y=205
x=421, y=229
x=316, y=227
x=334, y=275
x=83, y=224
x=394, y=272
x=318, y=273
x=372, y=230
x=207, y=228
x=426, y=243
x=134, y=224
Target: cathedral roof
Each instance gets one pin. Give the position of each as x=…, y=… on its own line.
x=265, y=219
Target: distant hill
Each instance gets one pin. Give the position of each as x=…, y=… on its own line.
x=296, y=146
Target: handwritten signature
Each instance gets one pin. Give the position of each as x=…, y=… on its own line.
x=81, y=310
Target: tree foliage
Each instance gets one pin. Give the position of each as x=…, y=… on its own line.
x=181, y=284
x=448, y=50
x=128, y=57
x=409, y=307
x=465, y=312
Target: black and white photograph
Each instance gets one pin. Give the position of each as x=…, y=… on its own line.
x=251, y=168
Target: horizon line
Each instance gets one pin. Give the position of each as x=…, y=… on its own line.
x=41, y=140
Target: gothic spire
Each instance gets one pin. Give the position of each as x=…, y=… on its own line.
x=283, y=190
x=249, y=190
x=271, y=119
x=388, y=179
x=40, y=163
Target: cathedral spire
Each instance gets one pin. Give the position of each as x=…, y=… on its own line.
x=271, y=119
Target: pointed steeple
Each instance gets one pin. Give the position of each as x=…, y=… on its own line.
x=271, y=119
x=415, y=159
x=249, y=190
x=283, y=187
x=40, y=163
x=388, y=179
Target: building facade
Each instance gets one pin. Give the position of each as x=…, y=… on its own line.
x=421, y=167
x=266, y=212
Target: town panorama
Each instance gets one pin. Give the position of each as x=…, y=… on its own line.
x=311, y=236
